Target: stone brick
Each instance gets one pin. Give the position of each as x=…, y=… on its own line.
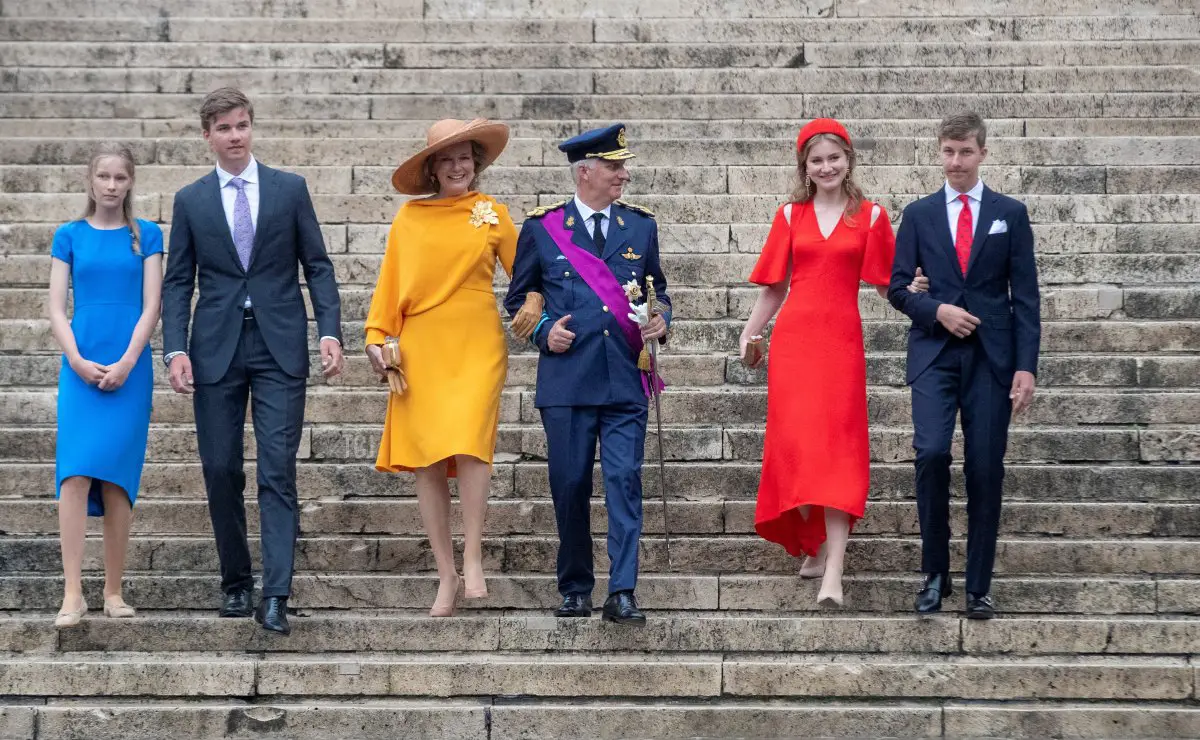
x=1028, y=720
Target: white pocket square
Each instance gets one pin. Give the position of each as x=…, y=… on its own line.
x=999, y=226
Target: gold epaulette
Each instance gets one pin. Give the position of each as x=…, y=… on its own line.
x=635, y=207
x=543, y=210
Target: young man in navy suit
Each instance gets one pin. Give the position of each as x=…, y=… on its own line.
x=587, y=259
x=972, y=348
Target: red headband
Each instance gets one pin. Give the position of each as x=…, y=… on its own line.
x=821, y=126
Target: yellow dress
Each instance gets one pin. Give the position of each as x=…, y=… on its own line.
x=435, y=293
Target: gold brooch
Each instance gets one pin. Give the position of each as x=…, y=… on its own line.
x=482, y=214
x=620, y=222
x=570, y=223
x=629, y=255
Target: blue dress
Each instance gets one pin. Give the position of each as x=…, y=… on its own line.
x=102, y=434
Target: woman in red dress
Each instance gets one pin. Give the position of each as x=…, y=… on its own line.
x=815, y=470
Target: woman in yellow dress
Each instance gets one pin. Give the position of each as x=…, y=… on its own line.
x=434, y=294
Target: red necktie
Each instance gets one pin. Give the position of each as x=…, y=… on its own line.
x=964, y=234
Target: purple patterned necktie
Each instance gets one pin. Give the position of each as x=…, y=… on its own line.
x=243, y=225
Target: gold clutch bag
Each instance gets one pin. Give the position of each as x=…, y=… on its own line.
x=755, y=349
x=391, y=359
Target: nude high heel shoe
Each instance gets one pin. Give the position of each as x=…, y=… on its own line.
x=442, y=609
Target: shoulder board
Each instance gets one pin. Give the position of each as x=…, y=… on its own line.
x=635, y=207
x=543, y=210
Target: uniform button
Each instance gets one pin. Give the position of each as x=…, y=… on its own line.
x=566, y=274
x=606, y=309
x=606, y=332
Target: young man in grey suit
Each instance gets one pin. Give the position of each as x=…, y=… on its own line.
x=242, y=230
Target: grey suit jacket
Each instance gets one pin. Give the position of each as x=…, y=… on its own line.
x=202, y=252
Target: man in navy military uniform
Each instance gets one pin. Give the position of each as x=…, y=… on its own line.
x=586, y=259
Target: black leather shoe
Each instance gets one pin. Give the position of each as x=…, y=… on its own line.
x=237, y=603
x=272, y=615
x=935, y=588
x=575, y=606
x=622, y=608
x=980, y=606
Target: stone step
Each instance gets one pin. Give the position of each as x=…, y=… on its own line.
x=693, y=481
x=738, y=80
x=772, y=153
x=460, y=719
x=1120, y=26
x=552, y=103
x=669, y=632
x=735, y=406
x=698, y=179
x=713, y=441
x=443, y=9
x=673, y=209
x=618, y=675
x=401, y=517
x=480, y=56
x=648, y=129
x=506, y=54
x=705, y=371
x=727, y=718
x=721, y=336
x=688, y=554
x=865, y=592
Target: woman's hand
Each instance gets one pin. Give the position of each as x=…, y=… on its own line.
x=89, y=372
x=750, y=350
x=115, y=377
x=375, y=355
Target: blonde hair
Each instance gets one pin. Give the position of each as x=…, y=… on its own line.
x=120, y=151
x=805, y=191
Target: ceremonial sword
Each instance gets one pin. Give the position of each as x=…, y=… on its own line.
x=651, y=310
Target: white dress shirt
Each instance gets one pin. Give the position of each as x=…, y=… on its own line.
x=586, y=213
x=954, y=207
x=229, y=197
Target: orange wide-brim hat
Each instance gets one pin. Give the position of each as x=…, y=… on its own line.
x=821, y=126
x=409, y=178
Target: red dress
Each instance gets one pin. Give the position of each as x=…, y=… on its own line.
x=816, y=451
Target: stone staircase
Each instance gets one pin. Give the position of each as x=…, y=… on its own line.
x=1094, y=109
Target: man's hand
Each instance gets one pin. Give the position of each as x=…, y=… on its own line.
x=956, y=320
x=528, y=316
x=920, y=283
x=331, y=357
x=560, y=337
x=1022, y=391
x=181, y=374
x=655, y=328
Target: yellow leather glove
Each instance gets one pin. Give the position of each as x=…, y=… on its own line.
x=528, y=316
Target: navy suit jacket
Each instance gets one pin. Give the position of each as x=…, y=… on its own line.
x=1000, y=287
x=599, y=368
x=286, y=236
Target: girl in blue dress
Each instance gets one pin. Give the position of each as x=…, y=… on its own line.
x=113, y=263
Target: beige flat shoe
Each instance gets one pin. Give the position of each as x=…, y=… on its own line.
x=118, y=610
x=72, y=618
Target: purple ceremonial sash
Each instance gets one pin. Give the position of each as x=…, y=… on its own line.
x=600, y=279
